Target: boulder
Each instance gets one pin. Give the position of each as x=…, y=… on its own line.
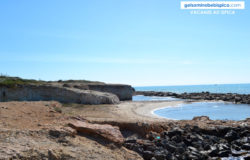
x=109, y=132
x=231, y=135
x=201, y=118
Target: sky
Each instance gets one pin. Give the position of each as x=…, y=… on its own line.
x=137, y=42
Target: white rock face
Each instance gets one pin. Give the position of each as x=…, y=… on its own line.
x=61, y=94
x=124, y=92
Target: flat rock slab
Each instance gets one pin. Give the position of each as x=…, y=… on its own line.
x=109, y=132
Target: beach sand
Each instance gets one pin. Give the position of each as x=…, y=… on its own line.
x=127, y=111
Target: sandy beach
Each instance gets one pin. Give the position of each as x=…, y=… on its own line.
x=127, y=111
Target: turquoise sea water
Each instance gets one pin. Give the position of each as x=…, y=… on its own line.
x=217, y=88
x=215, y=111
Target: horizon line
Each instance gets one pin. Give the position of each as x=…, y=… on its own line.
x=191, y=84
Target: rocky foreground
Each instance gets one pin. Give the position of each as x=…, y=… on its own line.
x=229, y=97
x=193, y=142
x=47, y=130
x=39, y=130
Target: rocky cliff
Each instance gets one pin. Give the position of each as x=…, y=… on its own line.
x=71, y=91
x=124, y=92
x=61, y=94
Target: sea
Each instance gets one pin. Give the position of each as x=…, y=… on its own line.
x=186, y=111
x=214, y=88
x=214, y=110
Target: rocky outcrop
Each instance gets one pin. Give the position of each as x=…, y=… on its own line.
x=193, y=142
x=230, y=97
x=124, y=92
x=87, y=90
x=111, y=133
x=57, y=93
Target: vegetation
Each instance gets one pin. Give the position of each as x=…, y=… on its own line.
x=80, y=81
x=8, y=81
x=15, y=81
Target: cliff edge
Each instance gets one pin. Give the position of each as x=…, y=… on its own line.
x=71, y=91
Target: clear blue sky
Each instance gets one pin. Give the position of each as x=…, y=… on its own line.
x=138, y=42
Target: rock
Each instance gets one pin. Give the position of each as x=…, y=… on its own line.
x=214, y=151
x=222, y=130
x=223, y=147
x=225, y=153
x=130, y=140
x=201, y=118
x=194, y=155
x=147, y=155
x=175, y=131
x=197, y=144
x=246, y=146
x=237, y=98
x=62, y=132
x=3, y=107
x=57, y=93
x=180, y=150
x=245, y=133
x=235, y=147
x=231, y=135
x=152, y=148
x=176, y=138
x=206, y=147
x=171, y=148
x=52, y=155
x=190, y=148
x=123, y=92
x=111, y=133
x=160, y=155
x=164, y=134
x=66, y=85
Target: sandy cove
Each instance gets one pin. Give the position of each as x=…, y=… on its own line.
x=127, y=111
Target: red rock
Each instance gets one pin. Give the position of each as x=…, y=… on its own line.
x=107, y=131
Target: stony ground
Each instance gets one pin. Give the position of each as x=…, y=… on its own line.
x=37, y=130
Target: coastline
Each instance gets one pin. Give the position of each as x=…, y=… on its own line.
x=127, y=111
x=134, y=120
x=228, y=97
x=154, y=114
x=184, y=102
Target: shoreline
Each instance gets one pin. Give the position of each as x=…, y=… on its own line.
x=129, y=111
x=152, y=112
x=193, y=102
x=229, y=97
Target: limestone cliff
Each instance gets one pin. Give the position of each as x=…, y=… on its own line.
x=124, y=92
x=70, y=91
x=61, y=94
